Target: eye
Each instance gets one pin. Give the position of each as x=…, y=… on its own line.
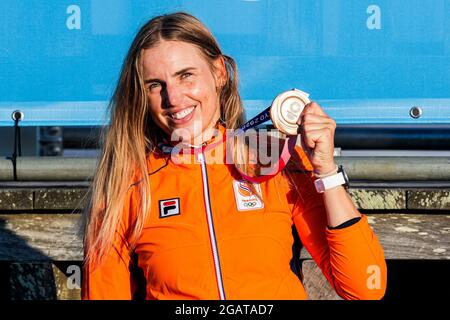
x=186, y=75
x=152, y=86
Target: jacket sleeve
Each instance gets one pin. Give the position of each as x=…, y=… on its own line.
x=111, y=279
x=351, y=258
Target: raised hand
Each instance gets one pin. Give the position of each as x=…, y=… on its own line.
x=317, y=135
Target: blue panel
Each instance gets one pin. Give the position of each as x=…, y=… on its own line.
x=375, y=111
x=66, y=54
x=349, y=111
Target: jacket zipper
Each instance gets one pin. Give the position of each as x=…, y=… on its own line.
x=212, y=234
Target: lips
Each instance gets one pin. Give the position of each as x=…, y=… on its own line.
x=183, y=113
x=182, y=117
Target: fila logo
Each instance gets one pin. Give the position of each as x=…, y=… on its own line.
x=169, y=207
x=245, y=199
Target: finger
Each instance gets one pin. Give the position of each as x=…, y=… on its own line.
x=314, y=108
x=307, y=127
x=311, y=117
x=314, y=136
x=307, y=144
x=314, y=118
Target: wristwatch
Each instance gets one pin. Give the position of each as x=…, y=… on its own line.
x=337, y=179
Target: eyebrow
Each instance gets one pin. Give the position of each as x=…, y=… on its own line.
x=174, y=75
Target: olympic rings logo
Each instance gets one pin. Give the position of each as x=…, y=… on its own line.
x=249, y=204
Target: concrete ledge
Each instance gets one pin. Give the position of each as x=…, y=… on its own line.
x=14, y=199
x=60, y=199
x=423, y=199
x=379, y=199
x=43, y=199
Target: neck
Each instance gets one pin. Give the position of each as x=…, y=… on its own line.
x=207, y=135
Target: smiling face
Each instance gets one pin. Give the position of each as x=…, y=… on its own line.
x=182, y=89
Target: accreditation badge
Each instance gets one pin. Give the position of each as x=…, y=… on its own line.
x=245, y=198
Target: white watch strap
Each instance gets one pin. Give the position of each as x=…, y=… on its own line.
x=329, y=182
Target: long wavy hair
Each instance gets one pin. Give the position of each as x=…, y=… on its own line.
x=132, y=135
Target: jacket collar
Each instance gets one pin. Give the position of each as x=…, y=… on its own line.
x=169, y=147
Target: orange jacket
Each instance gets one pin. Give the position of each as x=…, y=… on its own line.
x=209, y=237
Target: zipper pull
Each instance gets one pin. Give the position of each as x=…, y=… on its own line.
x=200, y=157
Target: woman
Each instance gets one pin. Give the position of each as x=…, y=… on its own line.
x=185, y=225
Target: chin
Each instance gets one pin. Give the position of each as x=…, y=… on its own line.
x=184, y=134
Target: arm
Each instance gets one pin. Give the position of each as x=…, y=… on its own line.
x=317, y=137
x=351, y=258
x=339, y=206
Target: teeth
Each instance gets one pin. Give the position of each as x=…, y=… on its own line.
x=182, y=113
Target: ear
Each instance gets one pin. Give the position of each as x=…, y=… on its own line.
x=220, y=72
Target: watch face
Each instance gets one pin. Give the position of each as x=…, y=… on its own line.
x=320, y=188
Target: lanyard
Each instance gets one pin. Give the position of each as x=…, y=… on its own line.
x=284, y=113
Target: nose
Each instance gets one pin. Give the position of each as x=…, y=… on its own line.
x=172, y=95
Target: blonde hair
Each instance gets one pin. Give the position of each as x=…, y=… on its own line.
x=132, y=135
